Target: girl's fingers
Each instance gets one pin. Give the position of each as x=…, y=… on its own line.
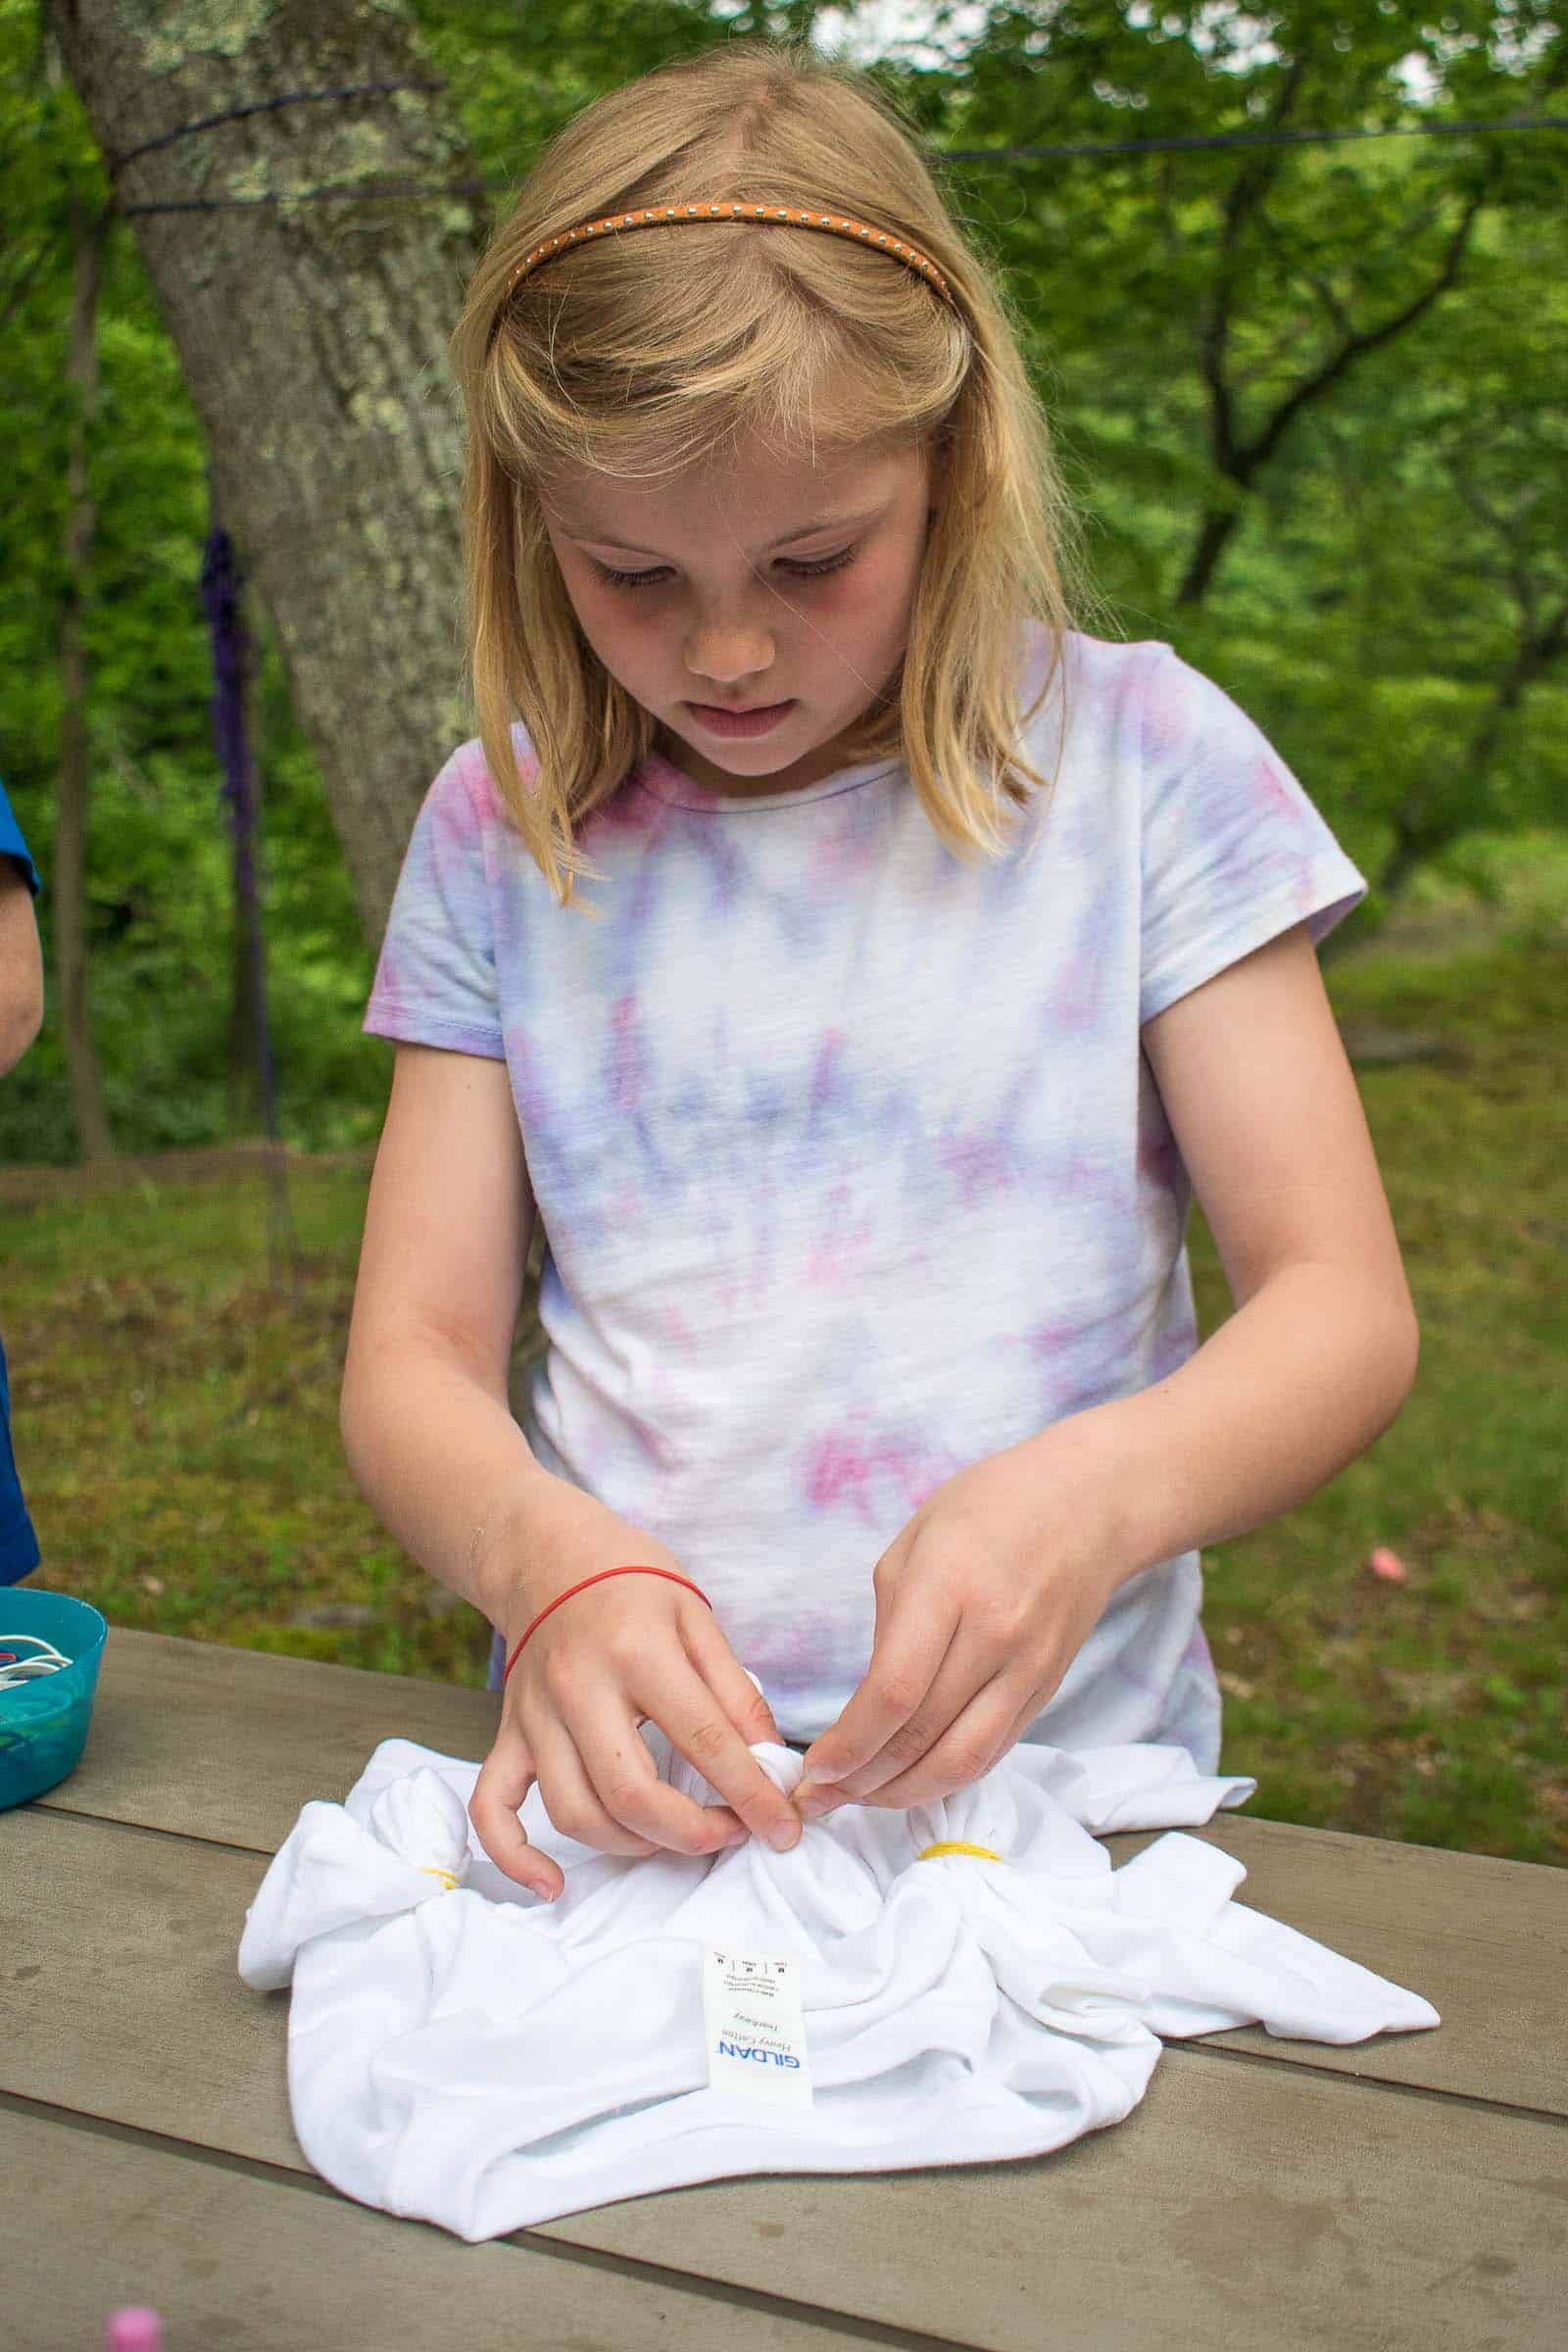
x=615, y=1802
x=570, y=1793
x=986, y=1730
x=505, y=1779
x=1025, y=1717
x=626, y=1781
x=963, y=1675
x=602, y=1787
x=722, y=1670
x=907, y=1658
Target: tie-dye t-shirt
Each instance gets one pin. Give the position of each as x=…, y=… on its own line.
x=850, y=1164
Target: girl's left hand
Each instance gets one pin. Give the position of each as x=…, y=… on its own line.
x=983, y=1602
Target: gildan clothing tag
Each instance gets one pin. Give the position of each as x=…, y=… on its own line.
x=755, y=2032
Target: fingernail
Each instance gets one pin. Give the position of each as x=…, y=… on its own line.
x=783, y=1841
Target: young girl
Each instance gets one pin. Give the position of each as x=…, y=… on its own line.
x=943, y=948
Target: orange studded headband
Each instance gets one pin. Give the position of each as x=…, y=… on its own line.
x=785, y=216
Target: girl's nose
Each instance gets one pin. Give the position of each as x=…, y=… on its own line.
x=727, y=655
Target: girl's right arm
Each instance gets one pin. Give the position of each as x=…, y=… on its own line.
x=426, y=1427
x=431, y=1443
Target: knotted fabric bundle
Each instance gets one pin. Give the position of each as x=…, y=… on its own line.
x=464, y=2053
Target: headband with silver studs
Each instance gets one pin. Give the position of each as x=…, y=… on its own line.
x=837, y=224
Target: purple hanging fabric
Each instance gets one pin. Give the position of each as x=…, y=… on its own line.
x=221, y=597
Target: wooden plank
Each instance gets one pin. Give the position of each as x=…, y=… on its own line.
x=93, y=2219
x=1485, y=1942
x=229, y=1743
x=1242, y=2205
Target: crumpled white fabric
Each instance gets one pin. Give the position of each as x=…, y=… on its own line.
x=481, y=2059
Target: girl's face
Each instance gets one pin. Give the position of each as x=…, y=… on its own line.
x=770, y=581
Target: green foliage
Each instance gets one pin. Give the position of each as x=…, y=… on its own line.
x=1396, y=544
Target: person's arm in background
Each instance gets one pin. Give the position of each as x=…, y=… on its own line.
x=20, y=966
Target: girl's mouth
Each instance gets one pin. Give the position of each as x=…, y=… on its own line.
x=740, y=722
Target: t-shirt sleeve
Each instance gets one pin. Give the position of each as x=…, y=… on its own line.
x=1233, y=850
x=13, y=847
x=435, y=980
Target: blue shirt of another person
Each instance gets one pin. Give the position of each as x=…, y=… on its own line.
x=18, y=1542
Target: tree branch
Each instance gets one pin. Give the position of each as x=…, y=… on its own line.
x=1356, y=347
x=1254, y=179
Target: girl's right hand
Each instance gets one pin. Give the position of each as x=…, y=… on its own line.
x=630, y=1650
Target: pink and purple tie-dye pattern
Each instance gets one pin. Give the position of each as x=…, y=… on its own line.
x=850, y=1167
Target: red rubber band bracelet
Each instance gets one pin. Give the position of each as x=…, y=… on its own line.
x=637, y=1568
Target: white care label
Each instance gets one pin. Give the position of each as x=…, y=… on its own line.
x=755, y=2029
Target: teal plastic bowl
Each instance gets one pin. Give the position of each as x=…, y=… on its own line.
x=43, y=1722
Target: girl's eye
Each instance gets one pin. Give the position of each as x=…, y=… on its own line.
x=801, y=571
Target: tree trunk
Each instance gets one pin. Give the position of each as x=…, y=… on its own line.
x=312, y=339
x=69, y=880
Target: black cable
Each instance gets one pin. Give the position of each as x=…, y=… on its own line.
x=1258, y=138
x=1176, y=142
x=262, y=105
x=219, y=204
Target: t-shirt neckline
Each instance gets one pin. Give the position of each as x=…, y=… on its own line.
x=659, y=775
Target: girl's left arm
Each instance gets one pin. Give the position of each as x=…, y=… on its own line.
x=985, y=1598
x=1321, y=1353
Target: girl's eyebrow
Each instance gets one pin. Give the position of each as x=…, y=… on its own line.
x=802, y=531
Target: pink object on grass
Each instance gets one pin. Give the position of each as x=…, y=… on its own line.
x=134, y=2330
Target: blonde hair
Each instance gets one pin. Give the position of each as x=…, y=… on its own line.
x=640, y=355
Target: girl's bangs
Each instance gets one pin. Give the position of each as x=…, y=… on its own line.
x=742, y=355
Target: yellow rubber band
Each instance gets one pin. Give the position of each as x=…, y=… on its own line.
x=450, y=1883
x=956, y=1846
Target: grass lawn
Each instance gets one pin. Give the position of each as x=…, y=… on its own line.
x=175, y=1422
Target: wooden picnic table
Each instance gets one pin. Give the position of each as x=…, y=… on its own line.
x=1407, y=2190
